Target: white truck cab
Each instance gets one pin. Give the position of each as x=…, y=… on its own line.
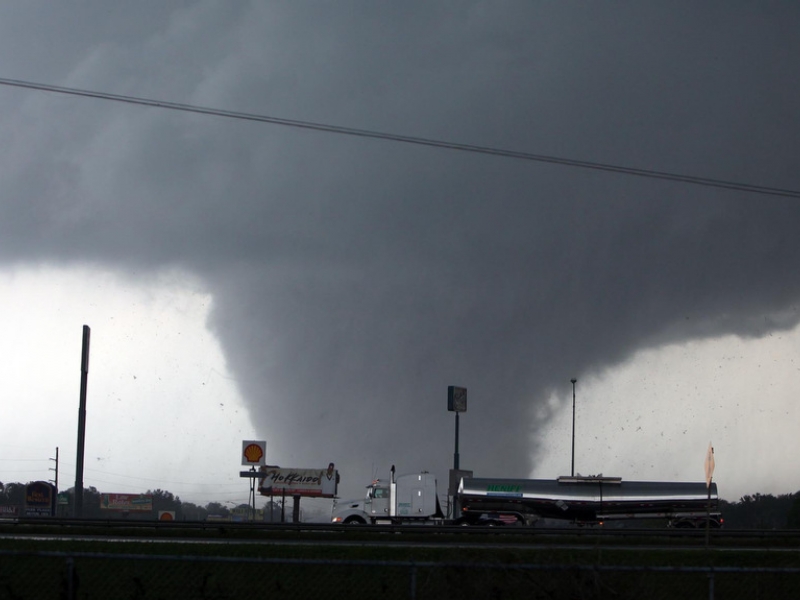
x=410, y=497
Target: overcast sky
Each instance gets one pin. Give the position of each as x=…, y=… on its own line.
x=252, y=281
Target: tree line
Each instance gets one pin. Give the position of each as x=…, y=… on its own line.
x=13, y=495
x=762, y=511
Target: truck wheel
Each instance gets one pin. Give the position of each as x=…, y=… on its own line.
x=354, y=521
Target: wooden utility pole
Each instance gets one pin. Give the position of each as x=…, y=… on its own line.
x=82, y=424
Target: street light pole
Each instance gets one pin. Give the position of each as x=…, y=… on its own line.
x=574, y=381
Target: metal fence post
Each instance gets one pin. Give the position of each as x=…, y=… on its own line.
x=413, y=582
x=70, y=578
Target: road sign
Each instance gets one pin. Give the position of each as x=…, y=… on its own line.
x=709, y=464
x=456, y=399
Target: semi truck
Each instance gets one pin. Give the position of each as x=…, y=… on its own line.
x=405, y=498
x=489, y=501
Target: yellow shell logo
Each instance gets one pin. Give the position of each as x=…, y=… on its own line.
x=253, y=453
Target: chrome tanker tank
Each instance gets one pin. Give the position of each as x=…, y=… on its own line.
x=587, y=499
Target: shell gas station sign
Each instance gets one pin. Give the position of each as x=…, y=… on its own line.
x=254, y=453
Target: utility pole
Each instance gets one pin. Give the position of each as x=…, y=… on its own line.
x=82, y=424
x=54, y=506
x=574, y=381
x=55, y=481
x=457, y=403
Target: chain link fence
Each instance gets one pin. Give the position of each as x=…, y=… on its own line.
x=74, y=576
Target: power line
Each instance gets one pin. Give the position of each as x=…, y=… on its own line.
x=420, y=141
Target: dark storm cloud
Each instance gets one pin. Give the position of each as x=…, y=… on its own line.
x=354, y=280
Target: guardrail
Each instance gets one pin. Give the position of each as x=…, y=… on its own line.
x=226, y=528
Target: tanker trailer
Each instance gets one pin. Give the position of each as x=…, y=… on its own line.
x=588, y=500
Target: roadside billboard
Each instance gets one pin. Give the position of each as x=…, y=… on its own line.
x=317, y=483
x=40, y=499
x=127, y=502
x=246, y=513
